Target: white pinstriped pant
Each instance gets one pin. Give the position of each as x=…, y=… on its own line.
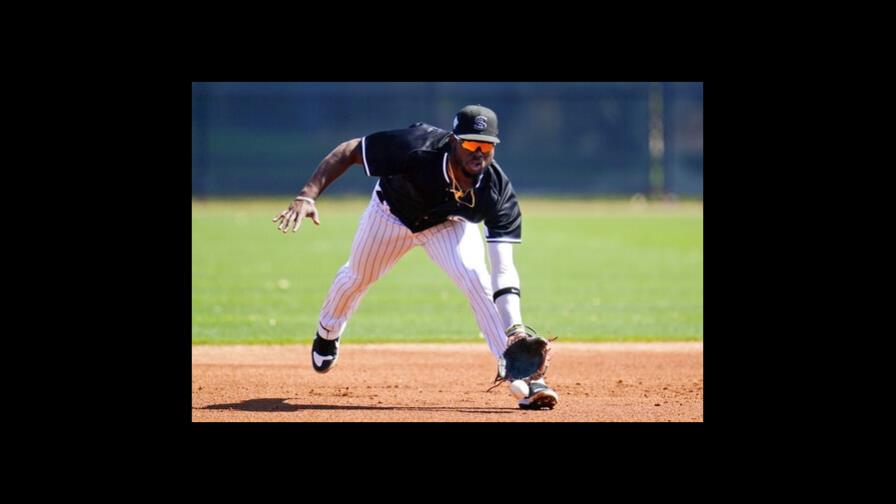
x=381, y=240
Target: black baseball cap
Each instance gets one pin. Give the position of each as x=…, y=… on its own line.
x=475, y=122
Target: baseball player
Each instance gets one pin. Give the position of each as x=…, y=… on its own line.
x=434, y=186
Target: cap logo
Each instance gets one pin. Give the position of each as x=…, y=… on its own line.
x=479, y=123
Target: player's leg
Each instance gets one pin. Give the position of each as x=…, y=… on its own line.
x=456, y=246
x=381, y=240
x=379, y=243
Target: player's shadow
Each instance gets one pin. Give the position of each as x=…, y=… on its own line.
x=256, y=405
x=279, y=405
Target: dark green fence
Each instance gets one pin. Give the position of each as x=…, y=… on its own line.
x=564, y=138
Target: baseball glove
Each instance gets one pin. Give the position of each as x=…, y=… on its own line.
x=527, y=356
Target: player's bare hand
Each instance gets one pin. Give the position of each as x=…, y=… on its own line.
x=291, y=218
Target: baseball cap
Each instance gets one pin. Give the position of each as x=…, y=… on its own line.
x=475, y=122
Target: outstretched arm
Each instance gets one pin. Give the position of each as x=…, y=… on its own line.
x=506, y=285
x=331, y=168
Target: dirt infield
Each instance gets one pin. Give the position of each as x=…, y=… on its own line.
x=600, y=382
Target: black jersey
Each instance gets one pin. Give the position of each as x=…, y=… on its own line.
x=412, y=165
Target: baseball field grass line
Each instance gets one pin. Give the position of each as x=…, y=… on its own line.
x=590, y=271
x=459, y=340
x=293, y=354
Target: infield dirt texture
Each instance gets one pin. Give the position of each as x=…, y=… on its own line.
x=597, y=382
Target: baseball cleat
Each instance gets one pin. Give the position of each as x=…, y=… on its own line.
x=324, y=353
x=540, y=396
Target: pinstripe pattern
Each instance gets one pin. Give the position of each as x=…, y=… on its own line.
x=381, y=240
x=457, y=248
x=379, y=243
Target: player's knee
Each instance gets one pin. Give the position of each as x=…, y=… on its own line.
x=349, y=279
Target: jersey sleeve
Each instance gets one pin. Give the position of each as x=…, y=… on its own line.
x=385, y=153
x=505, y=224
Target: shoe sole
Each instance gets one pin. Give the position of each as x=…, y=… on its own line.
x=324, y=370
x=545, y=399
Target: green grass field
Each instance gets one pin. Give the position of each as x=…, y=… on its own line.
x=590, y=271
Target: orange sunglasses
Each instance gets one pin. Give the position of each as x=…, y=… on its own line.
x=471, y=146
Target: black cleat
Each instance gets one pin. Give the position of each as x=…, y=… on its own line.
x=540, y=396
x=324, y=353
